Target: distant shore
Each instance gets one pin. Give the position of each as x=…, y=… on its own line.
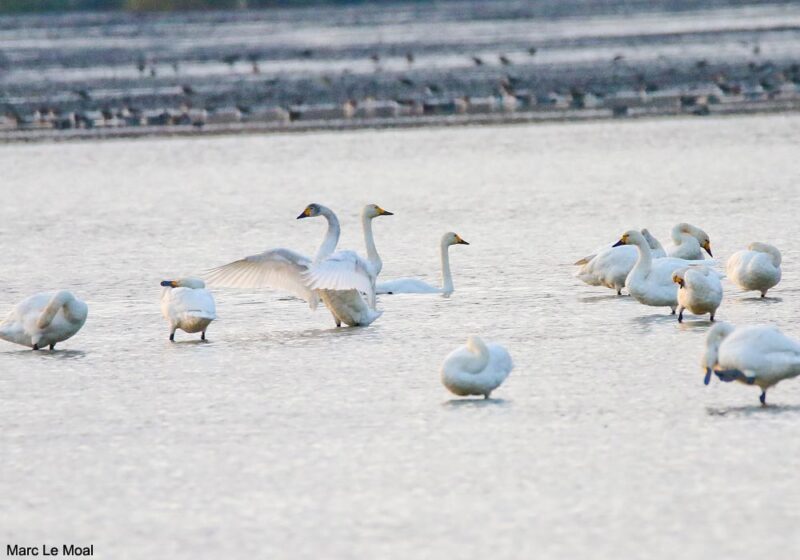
x=333, y=125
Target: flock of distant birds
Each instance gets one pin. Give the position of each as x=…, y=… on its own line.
x=766, y=81
x=679, y=278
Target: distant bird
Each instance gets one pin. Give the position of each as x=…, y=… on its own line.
x=187, y=305
x=410, y=58
x=44, y=319
x=84, y=94
x=700, y=64
x=231, y=59
x=176, y=67
x=758, y=268
x=408, y=82
x=477, y=60
x=306, y=53
x=532, y=51
x=619, y=58
x=757, y=50
x=141, y=64
x=476, y=368
x=752, y=355
x=153, y=71
x=434, y=89
x=504, y=60
x=375, y=57
x=188, y=90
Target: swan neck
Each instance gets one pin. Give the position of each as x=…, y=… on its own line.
x=645, y=261
x=331, y=236
x=447, y=277
x=481, y=355
x=369, y=241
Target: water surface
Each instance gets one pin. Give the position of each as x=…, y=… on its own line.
x=286, y=437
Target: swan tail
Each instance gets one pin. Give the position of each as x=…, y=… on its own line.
x=58, y=301
x=584, y=260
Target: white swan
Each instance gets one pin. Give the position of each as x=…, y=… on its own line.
x=756, y=355
x=699, y=291
x=476, y=369
x=415, y=286
x=187, y=305
x=611, y=265
x=44, y=319
x=758, y=268
x=650, y=280
x=369, y=213
x=290, y=271
x=688, y=242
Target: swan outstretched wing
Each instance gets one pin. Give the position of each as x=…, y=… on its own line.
x=280, y=269
x=344, y=270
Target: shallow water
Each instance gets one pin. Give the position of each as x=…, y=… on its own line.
x=285, y=437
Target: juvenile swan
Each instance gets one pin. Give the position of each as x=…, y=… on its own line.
x=650, y=281
x=688, y=241
x=187, y=305
x=699, y=291
x=44, y=319
x=476, y=369
x=416, y=286
x=611, y=265
x=757, y=355
x=758, y=268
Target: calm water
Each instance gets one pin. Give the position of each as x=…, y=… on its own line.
x=285, y=437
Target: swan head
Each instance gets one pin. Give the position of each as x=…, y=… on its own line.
x=373, y=211
x=714, y=338
x=311, y=211
x=631, y=237
x=702, y=237
x=678, y=277
x=452, y=238
x=193, y=283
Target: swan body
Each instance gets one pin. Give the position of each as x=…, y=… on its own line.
x=753, y=355
x=187, y=305
x=416, y=286
x=699, y=291
x=757, y=268
x=476, y=368
x=689, y=242
x=312, y=280
x=610, y=266
x=44, y=319
x=343, y=280
x=650, y=280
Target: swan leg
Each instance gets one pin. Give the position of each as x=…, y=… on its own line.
x=619, y=291
x=764, y=294
x=172, y=336
x=673, y=311
x=680, y=315
x=763, y=398
x=53, y=346
x=203, y=335
x=712, y=317
x=35, y=346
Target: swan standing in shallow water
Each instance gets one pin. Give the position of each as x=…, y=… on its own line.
x=699, y=291
x=689, y=241
x=310, y=280
x=416, y=286
x=758, y=268
x=187, y=305
x=476, y=369
x=757, y=355
x=44, y=319
x=650, y=281
x=611, y=265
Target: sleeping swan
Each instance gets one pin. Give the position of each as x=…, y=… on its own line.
x=415, y=286
x=758, y=355
x=476, y=369
x=611, y=265
x=650, y=280
x=44, y=319
x=699, y=291
x=758, y=268
x=187, y=305
x=688, y=241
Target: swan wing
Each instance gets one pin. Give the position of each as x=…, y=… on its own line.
x=280, y=269
x=344, y=270
x=183, y=302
